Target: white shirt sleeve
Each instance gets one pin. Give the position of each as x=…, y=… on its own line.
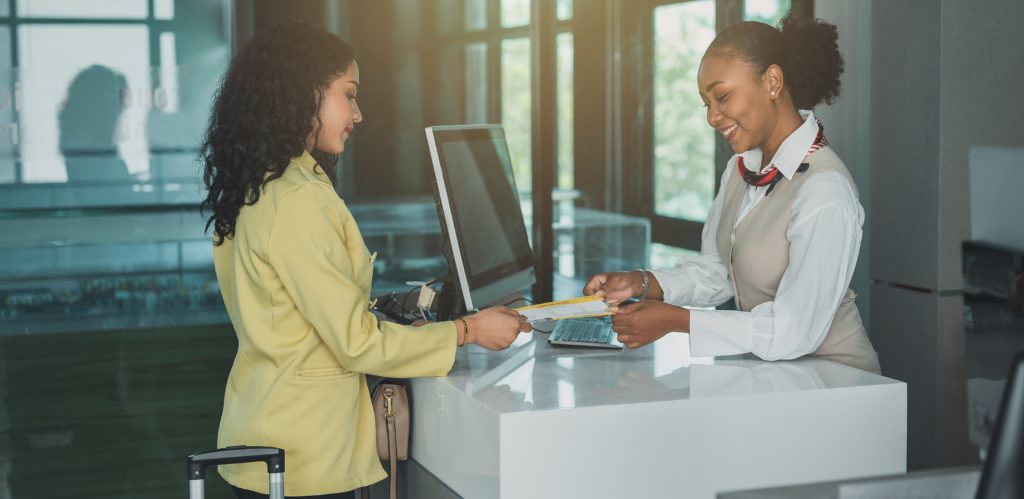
x=825, y=233
x=700, y=280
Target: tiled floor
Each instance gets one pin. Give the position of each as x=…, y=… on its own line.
x=110, y=414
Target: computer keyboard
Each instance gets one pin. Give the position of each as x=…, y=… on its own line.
x=586, y=332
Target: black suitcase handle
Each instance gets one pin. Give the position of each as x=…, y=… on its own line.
x=273, y=456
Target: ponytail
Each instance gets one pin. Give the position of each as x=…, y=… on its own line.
x=806, y=50
x=813, y=63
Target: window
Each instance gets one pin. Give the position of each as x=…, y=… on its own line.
x=491, y=43
x=564, y=97
x=99, y=78
x=95, y=99
x=515, y=107
x=476, y=82
x=684, y=144
x=765, y=11
x=101, y=111
x=564, y=10
x=515, y=13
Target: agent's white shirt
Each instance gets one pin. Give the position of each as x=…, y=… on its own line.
x=825, y=232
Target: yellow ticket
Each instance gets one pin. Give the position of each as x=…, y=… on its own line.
x=584, y=306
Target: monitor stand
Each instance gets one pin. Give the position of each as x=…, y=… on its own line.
x=449, y=300
x=450, y=304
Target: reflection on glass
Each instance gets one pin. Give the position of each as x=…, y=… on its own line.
x=89, y=272
x=515, y=13
x=451, y=78
x=564, y=98
x=103, y=127
x=165, y=98
x=163, y=10
x=564, y=9
x=684, y=169
x=476, y=83
x=513, y=392
x=564, y=199
x=447, y=22
x=515, y=106
x=590, y=241
x=8, y=116
x=5, y=9
x=111, y=9
x=87, y=125
x=53, y=56
x=765, y=11
x=476, y=14
x=566, y=394
x=664, y=256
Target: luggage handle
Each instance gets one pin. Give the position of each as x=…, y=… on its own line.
x=273, y=456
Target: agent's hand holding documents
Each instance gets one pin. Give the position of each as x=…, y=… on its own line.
x=587, y=306
x=617, y=287
x=644, y=322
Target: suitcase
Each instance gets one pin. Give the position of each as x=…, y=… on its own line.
x=273, y=456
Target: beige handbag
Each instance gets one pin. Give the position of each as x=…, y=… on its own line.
x=391, y=411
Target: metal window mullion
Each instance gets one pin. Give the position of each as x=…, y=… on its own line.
x=647, y=125
x=493, y=80
x=19, y=174
x=154, y=42
x=73, y=21
x=477, y=36
x=544, y=127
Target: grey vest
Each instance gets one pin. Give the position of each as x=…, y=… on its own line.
x=756, y=254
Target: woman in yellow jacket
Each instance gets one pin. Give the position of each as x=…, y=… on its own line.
x=295, y=274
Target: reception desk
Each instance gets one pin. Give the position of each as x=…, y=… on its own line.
x=543, y=421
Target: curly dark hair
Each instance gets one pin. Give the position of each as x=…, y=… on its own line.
x=806, y=49
x=267, y=105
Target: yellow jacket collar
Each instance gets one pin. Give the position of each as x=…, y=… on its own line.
x=310, y=166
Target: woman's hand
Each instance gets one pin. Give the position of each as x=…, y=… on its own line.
x=615, y=287
x=641, y=323
x=495, y=328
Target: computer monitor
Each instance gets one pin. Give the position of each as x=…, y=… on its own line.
x=1001, y=475
x=487, y=245
x=993, y=329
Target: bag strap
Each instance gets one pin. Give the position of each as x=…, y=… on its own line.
x=392, y=457
x=393, y=454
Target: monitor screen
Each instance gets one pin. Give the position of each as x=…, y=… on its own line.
x=480, y=208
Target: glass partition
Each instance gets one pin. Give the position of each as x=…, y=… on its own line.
x=101, y=111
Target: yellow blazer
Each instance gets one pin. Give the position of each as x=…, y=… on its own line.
x=296, y=282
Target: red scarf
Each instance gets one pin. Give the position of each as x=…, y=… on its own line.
x=771, y=175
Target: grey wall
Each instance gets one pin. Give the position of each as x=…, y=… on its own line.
x=906, y=43
x=982, y=105
x=906, y=135
x=943, y=79
x=848, y=120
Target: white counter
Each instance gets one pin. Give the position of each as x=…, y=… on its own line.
x=543, y=421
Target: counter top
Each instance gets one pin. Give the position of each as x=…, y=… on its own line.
x=539, y=420
x=533, y=375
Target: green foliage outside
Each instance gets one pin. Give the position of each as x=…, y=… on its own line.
x=515, y=106
x=684, y=169
x=765, y=11
x=565, y=111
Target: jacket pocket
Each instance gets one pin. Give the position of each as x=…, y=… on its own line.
x=323, y=373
